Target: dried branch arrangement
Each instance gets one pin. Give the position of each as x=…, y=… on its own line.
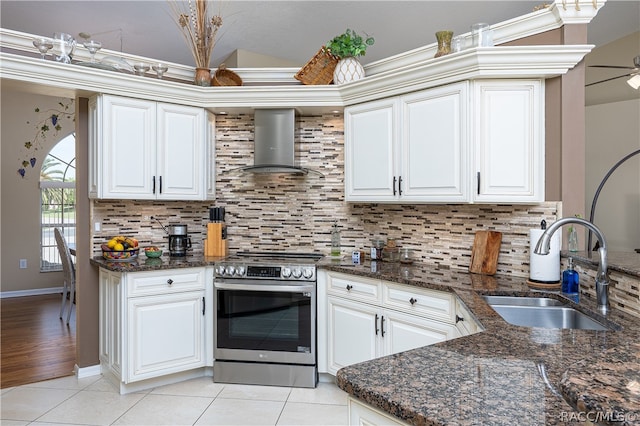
x=199, y=26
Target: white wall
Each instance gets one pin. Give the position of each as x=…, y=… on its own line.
x=20, y=218
x=613, y=131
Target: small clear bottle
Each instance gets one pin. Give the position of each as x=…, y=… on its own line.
x=570, y=280
x=573, y=239
x=335, y=240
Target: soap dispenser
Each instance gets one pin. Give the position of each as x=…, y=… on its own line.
x=570, y=280
x=335, y=240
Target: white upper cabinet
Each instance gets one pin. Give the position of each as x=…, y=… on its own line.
x=371, y=130
x=508, y=136
x=146, y=150
x=434, y=143
x=181, y=158
x=479, y=141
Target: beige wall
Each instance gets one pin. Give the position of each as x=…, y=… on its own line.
x=21, y=196
x=613, y=131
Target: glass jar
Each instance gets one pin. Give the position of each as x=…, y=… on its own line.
x=406, y=255
x=377, y=246
x=391, y=254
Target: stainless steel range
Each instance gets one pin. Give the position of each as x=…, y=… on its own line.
x=265, y=321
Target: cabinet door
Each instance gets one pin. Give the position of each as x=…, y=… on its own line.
x=182, y=152
x=404, y=332
x=371, y=132
x=352, y=335
x=435, y=165
x=165, y=334
x=509, y=141
x=465, y=322
x=128, y=148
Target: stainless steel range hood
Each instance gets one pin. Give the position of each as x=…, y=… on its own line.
x=274, y=149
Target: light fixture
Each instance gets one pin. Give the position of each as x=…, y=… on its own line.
x=634, y=81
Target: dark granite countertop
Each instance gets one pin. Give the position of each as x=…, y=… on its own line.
x=505, y=374
x=142, y=263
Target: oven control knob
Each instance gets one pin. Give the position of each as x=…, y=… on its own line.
x=307, y=273
x=297, y=273
x=231, y=270
x=220, y=270
x=240, y=271
x=286, y=272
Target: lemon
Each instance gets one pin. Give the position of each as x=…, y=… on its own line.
x=118, y=247
x=112, y=243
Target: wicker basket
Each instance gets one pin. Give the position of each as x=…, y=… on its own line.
x=225, y=77
x=319, y=70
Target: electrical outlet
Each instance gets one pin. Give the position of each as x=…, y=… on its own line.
x=23, y=263
x=146, y=217
x=97, y=226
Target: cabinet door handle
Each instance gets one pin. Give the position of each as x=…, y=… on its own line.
x=203, y=305
x=169, y=281
x=154, y=184
x=399, y=185
x=382, y=326
x=413, y=301
x=161, y=184
x=394, y=185
x=459, y=318
x=349, y=287
x=375, y=327
x=478, y=183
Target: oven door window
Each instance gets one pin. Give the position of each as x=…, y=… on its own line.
x=264, y=320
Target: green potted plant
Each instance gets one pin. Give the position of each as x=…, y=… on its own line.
x=348, y=46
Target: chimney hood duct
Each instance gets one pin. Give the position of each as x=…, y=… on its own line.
x=274, y=149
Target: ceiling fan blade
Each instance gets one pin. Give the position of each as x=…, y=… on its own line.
x=609, y=79
x=612, y=66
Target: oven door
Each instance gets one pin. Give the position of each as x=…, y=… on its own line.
x=265, y=321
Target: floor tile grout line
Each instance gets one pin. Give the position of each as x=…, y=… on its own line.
x=57, y=405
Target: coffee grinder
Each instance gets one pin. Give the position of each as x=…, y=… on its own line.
x=179, y=240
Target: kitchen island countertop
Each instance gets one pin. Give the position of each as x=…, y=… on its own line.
x=505, y=374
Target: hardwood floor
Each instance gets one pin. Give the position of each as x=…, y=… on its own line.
x=36, y=344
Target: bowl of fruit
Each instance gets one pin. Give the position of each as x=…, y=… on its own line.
x=153, y=251
x=120, y=249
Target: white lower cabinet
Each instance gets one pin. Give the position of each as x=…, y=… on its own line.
x=165, y=334
x=363, y=328
x=154, y=324
x=364, y=415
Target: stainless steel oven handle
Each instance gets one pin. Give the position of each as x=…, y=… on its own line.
x=263, y=287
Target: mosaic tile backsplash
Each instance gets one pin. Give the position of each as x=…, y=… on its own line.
x=287, y=212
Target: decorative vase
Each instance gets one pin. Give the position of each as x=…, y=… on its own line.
x=348, y=69
x=444, y=43
x=202, y=77
x=573, y=240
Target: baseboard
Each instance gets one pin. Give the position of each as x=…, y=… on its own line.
x=93, y=370
x=33, y=292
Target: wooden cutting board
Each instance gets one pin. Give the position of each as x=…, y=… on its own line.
x=484, y=255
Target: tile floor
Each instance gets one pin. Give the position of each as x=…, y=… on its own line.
x=95, y=401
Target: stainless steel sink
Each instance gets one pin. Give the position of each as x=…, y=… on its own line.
x=541, y=312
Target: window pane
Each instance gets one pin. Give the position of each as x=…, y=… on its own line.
x=57, y=202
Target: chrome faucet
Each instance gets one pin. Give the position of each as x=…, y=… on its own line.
x=602, y=280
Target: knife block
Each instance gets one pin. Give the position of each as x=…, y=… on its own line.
x=216, y=242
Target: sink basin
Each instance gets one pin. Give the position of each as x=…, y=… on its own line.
x=541, y=312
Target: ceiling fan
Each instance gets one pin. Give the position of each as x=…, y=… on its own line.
x=634, y=81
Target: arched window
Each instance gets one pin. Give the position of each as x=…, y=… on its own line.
x=57, y=201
